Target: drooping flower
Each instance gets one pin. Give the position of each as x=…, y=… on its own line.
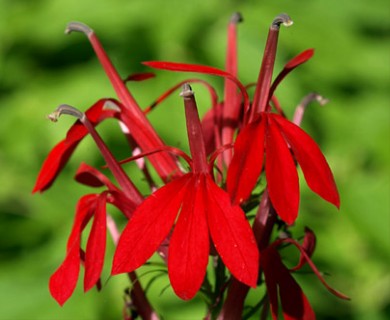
x=200, y=209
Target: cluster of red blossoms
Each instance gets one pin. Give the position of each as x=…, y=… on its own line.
x=200, y=211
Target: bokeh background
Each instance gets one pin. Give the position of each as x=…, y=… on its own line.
x=41, y=68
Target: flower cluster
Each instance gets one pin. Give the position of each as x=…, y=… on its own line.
x=200, y=211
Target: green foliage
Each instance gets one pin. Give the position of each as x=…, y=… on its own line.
x=41, y=68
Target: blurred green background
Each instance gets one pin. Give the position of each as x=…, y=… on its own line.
x=41, y=68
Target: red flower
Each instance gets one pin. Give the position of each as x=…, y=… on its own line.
x=63, y=281
x=201, y=208
x=273, y=135
x=265, y=133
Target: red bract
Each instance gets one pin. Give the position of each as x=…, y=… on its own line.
x=202, y=209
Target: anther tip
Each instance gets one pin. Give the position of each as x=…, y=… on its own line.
x=186, y=91
x=65, y=109
x=236, y=18
x=321, y=100
x=282, y=18
x=79, y=27
x=53, y=117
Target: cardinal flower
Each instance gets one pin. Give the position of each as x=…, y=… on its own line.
x=64, y=279
x=200, y=209
x=276, y=137
x=264, y=134
x=273, y=136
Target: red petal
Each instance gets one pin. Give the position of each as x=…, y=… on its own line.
x=53, y=165
x=189, y=245
x=184, y=67
x=247, y=162
x=290, y=66
x=96, y=245
x=84, y=212
x=64, y=280
x=60, y=154
x=282, y=177
x=299, y=59
x=92, y=177
x=315, y=168
x=169, y=92
x=149, y=225
x=140, y=76
x=232, y=235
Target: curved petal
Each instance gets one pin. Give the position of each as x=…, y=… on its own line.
x=290, y=66
x=92, y=177
x=185, y=67
x=96, y=245
x=232, y=235
x=53, y=165
x=247, y=162
x=64, y=280
x=282, y=177
x=149, y=225
x=316, y=170
x=189, y=244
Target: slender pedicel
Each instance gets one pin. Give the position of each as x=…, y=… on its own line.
x=128, y=187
